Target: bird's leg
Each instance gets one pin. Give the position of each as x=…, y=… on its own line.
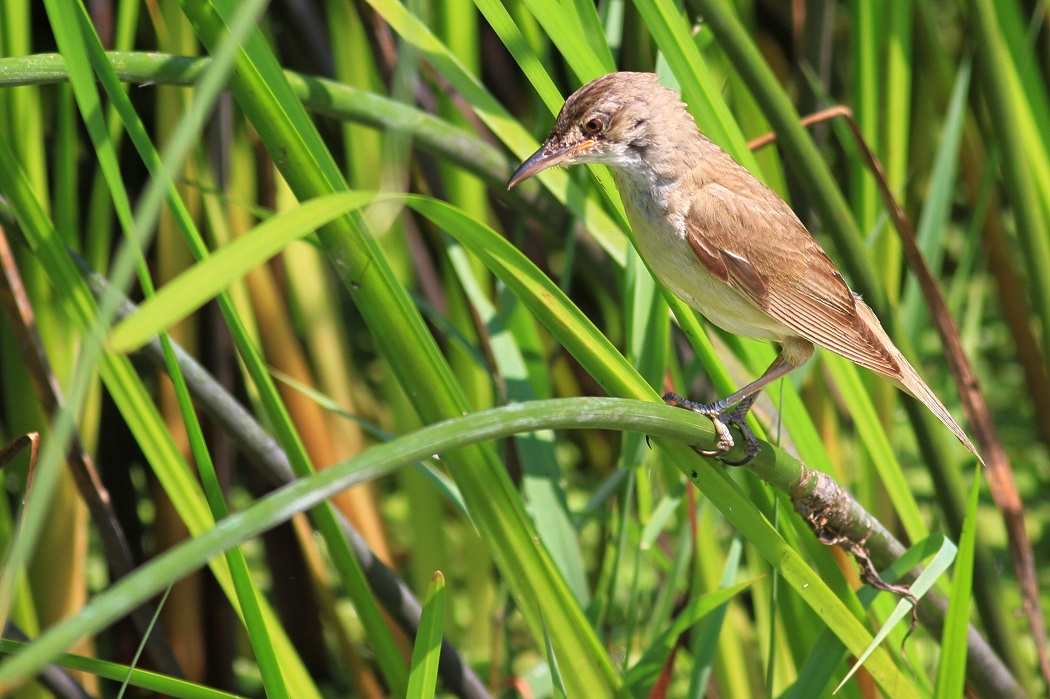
x=738, y=418
x=733, y=409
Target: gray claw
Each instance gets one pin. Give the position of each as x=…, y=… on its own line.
x=722, y=419
x=738, y=418
x=725, y=438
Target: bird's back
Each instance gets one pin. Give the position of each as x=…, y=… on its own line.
x=780, y=267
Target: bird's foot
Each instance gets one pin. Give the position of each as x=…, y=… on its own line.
x=722, y=417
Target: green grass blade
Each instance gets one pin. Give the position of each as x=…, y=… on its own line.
x=1024, y=162
x=308, y=492
x=263, y=92
x=541, y=477
x=557, y=682
x=144, y=679
x=697, y=83
x=933, y=224
x=705, y=639
x=203, y=282
x=942, y=560
x=565, y=23
x=644, y=672
x=422, y=677
x=951, y=670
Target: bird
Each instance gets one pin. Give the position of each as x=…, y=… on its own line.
x=721, y=241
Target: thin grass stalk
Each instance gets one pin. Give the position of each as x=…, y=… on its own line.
x=273, y=465
x=306, y=493
x=127, y=392
x=283, y=125
x=254, y=617
x=351, y=575
x=1012, y=110
x=835, y=216
x=1006, y=104
x=124, y=213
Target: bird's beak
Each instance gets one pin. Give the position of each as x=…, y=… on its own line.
x=547, y=156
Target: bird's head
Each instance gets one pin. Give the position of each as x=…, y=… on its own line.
x=613, y=120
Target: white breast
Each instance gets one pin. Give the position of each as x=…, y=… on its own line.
x=659, y=235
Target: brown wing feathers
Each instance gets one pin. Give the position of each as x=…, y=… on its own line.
x=804, y=292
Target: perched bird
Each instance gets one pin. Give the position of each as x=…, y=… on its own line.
x=721, y=240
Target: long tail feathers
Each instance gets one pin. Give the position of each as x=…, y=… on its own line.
x=909, y=379
x=913, y=384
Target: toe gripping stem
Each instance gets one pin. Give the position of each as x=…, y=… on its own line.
x=723, y=415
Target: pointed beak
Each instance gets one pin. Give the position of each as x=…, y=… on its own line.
x=547, y=156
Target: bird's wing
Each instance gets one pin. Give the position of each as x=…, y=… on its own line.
x=782, y=270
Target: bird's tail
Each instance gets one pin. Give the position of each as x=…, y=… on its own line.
x=912, y=383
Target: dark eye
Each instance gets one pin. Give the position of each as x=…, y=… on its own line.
x=594, y=125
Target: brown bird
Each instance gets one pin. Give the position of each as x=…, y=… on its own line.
x=722, y=241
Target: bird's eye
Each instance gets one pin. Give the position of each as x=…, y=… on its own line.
x=594, y=125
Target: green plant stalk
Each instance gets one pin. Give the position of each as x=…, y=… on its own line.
x=951, y=670
x=1006, y=104
x=495, y=508
x=320, y=95
x=144, y=679
x=427, y=647
x=303, y=494
x=351, y=575
x=866, y=109
x=272, y=463
x=247, y=594
x=816, y=177
x=117, y=374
